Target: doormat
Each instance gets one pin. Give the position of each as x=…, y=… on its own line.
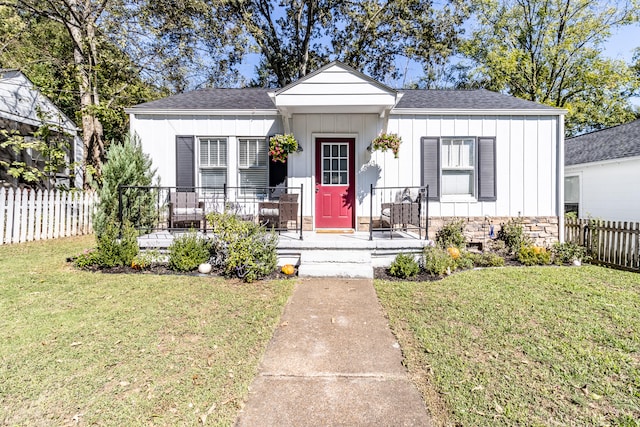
x=334, y=231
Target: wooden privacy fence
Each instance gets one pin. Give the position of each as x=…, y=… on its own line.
x=27, y=215
x=615, y=244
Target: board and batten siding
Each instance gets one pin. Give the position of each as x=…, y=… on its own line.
x=608, y=189
x=526, y=157
x=158, y=137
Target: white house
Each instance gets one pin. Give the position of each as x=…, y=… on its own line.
x=486, y=157
x=602, y=172
x=23, y=109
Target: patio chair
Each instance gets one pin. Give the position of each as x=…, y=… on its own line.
x=186, y=211
x=402, y=214
x=278, y=214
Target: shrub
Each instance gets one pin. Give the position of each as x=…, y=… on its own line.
x=404, y=266
x=513, y=235
x=146, y=259
x=567, y=252
x=242, y=248
x=488, y=259
x=112, y=250
x=464, y=261
x=188, y=251
x=437, y=261
x=533, y=255
x=451, y=235
x=126, y=165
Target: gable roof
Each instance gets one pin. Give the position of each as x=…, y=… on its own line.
x=339, y=77
x=342, y=66
x=21, y=101
x=612, y=143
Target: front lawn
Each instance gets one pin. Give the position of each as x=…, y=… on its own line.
x=111, y=349
x=522, y=346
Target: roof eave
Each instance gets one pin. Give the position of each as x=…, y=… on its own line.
x=481, y=112
x=602, y=162
x=202, y=112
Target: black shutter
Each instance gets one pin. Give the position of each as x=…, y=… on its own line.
x=185, y=163
x=431, y=166
x=486, y=169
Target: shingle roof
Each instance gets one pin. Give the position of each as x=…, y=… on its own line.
x=214, y=99
x=607, y=144
x=477, y=99
x=258, y=99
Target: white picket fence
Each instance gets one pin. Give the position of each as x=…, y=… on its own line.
x=27, y=215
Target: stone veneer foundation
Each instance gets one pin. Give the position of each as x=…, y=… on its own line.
x=543, y=230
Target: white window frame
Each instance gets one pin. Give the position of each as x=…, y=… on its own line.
x=466, y=168
x=261, y=164
x=222, y=164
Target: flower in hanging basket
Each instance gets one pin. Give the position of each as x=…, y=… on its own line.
x=386, y=141
x=280, y=146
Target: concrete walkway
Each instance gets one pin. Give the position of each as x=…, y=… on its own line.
x=333, y=361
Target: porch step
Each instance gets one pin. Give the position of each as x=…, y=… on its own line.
x=335, y=263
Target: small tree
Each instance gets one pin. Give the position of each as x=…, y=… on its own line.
x=126, y=165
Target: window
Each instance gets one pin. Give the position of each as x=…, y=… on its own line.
x=335, y=170
x=459, y=167
x=253, y=157
x=572, y=194
x=213, y=162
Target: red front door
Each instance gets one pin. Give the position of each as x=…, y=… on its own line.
x=335, y=182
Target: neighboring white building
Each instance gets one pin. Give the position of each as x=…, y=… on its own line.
x=23, y=108
x=602, y=172
x=486, y=156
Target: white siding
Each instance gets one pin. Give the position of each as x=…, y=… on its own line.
x=526, y=149
x=158, y=137
x=609, y=190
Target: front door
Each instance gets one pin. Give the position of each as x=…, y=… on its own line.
x=335, y=182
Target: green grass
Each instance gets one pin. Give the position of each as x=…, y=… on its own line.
x=523, y=346
x=111, y=349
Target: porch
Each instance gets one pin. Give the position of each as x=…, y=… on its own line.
x=324, y=254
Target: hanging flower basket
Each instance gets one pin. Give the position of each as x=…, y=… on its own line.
x=280, y=146
x=387, y=141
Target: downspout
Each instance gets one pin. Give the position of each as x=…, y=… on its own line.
x=560, y=175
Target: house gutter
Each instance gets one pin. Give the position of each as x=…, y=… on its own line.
x=478, y=112
x=182, y=112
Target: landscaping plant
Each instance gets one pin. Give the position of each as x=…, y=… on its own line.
x=487, y=259
x=533, y=255
x=188, y=251
x=126, y=165
x=513, y=235
x=567, y=252
x=451, y=235
x=437, y=261
x=112, y=249
x=242, y=248
x=404, y=266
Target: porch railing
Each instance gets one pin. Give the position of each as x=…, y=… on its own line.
x=155, y=208
x=399, y=210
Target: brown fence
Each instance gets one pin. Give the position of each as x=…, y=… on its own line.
x=610, y=243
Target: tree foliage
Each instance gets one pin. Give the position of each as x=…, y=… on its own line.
x=550, y=51
x=126, y=165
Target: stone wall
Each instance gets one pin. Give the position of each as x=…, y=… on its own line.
x=543, y=230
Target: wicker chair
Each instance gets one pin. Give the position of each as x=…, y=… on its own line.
x=186, y=211
x=402, y=215
x=279, y=214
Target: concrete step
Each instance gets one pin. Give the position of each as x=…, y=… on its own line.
x=327, y=256
x=347, y=270
x=335, y=263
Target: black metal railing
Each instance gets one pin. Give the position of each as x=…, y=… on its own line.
x=155, y=208
x=399, y=210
